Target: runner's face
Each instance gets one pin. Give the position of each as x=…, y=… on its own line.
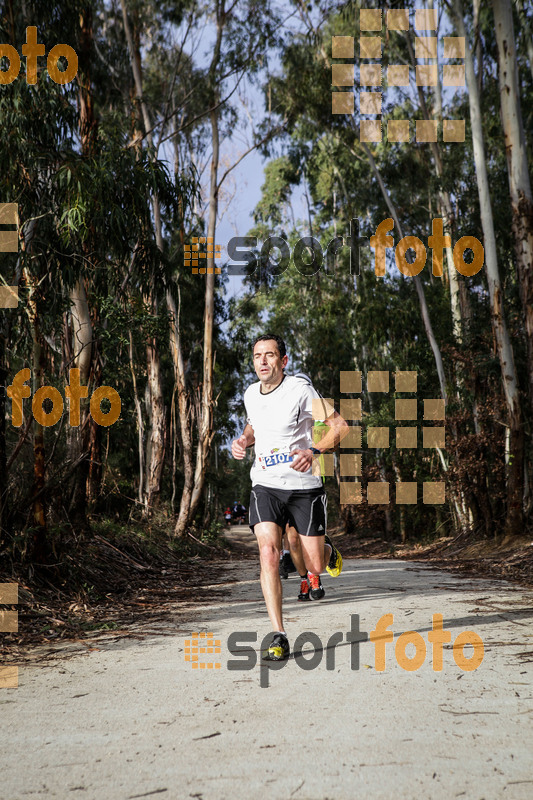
x=268, y=363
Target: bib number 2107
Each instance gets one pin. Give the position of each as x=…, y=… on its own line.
x=277, y=458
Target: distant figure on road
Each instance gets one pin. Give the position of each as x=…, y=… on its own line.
x=284, y=490
x=238, y=513
x=228, y=516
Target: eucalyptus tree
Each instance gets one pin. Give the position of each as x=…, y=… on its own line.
x=518, y=170
x=408, y=182
x=85, y=247
x=501, y=332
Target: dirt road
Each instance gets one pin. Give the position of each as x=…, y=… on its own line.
x=131, y=718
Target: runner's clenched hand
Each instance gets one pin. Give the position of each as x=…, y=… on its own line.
x=238, y=447
x=301, y=460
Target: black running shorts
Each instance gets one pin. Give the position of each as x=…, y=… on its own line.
x=304, y=509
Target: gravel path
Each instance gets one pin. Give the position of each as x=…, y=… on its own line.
x=126, y=716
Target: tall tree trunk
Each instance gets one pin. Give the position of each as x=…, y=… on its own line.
x=418, y=283
x=155, y=453
x=193, y=488
x=206, y=432
x=459, y=301
x=79, y=438
x=88, y=131
x=39, y=512
x=519, y=181
x=501, y=333
x=459, y=502
x=155, y=443
x=140, y=423
x=185, y=417
x=39, y=545
x=94, y=440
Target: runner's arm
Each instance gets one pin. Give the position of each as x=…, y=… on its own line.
x=247, y=439
x=338, y=429
x=250, y=435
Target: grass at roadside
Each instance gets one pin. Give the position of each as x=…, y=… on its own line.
x=105, y=580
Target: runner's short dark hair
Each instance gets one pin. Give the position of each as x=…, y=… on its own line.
x=279, y=341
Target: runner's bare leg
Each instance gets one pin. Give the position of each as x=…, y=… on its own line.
x=315, y=552
x=268, y=536
x=296, y=549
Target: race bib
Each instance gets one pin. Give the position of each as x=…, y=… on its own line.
x=273, y=458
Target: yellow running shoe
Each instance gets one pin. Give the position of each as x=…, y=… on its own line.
x=278, y=649
x=334, y=566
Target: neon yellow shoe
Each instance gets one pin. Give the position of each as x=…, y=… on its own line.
x=278, y=649
x=334, y=566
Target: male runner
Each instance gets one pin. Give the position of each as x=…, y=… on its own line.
x=284, y=489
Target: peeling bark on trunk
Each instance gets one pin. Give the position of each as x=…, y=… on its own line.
x=205, y=432
x=155, y=453
x=519, y=180
x=193, y=489
x=140, y=423
x=79, y=439
x=156, y=436
x=185, y=414
x=499, y=326
x=458, y=501
x=460, y=304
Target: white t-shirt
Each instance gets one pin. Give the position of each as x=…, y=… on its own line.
x=282, y=421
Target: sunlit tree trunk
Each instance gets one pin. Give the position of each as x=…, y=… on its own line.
x=205, y=432
x=155, y=406
x=499, y=326
x=78, y=438
x=193, y=492
x=519, y=180
x=184, y=415
x=140, y=422
x=459, y=301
